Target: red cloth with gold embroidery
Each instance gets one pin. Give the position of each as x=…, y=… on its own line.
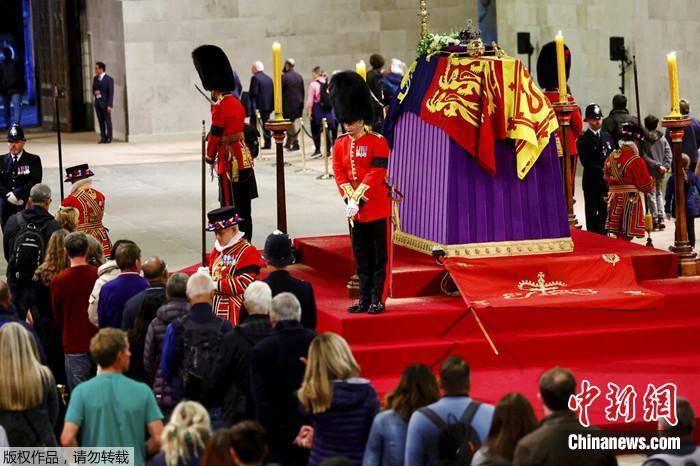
x=90, y=204
x=626, y=174
x=233, y=269
x=227, y=120
x=359, y=167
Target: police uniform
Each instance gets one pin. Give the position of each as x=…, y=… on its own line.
x=593, y=150
x=627, y=176
x=233, y=266
x=17, y=176
x=360, y=169
x=90, y=204
x=226, y=146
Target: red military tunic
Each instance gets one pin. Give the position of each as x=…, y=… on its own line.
x=226, y=143
x=574, y=130
x=627, y=175
x=359, y=167
x=90, y=204
x=233, y=269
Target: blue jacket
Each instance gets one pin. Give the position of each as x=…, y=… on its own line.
x=423, y=434
x=343, y=429
x=387, y=440
x=692, y=209
x=261, y=92
x=106, y=88
x=172, y=358
x=8, y=314
x=114, y=295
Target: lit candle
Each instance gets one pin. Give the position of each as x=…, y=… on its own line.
x=361, y=69
x=561, y=67
x=673, y=83
x=277, y=78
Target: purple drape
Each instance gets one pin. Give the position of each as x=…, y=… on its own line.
x=449, y=199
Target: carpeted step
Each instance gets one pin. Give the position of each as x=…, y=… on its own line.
x=377, y=360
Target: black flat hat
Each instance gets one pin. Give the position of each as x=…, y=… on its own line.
x=78, y=172
x=278, y=249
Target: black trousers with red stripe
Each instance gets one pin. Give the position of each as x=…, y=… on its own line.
x=369, y=243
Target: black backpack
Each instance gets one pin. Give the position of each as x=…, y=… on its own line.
x=457, y=442
x=325, y=100
x=202, y=349
x=27, y=250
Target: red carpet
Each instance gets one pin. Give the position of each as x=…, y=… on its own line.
x=423, y=326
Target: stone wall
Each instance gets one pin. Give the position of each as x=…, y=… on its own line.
x=159, y=36
x=650, y=28
x=106, y=31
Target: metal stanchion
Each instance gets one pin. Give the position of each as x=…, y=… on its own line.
x=326, y=151
x=300, y=136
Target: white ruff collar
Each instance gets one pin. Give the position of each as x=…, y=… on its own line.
x=80, y=185
x=233, y=241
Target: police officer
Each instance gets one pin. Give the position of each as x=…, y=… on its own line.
x=594, y=146
x=19, y=171
x=360, y=161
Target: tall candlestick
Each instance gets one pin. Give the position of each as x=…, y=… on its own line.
x=561, y=67
x=277, y=78
x=361, y=69
x=673, y=83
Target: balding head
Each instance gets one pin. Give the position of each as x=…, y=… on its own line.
x=155, y=270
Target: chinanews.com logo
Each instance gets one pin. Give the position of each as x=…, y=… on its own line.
x=623, y=404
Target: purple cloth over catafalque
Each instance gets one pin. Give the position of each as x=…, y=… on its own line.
x=449, y=199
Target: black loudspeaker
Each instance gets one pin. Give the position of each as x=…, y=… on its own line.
x=617, y=49
x=524, y=45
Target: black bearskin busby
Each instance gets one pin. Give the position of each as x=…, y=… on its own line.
x=351, y=98
x=547, y=66
x=214, y=68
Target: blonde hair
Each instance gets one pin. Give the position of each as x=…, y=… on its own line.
x=24, y=378
x=187, y=432
x=55, y=259
x=330, y=359
x=68, y=218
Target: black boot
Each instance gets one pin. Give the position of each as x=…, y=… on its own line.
x=375, y=308
x=362, y=306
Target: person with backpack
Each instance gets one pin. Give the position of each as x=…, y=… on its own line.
x=26, y=236
x=451, y=430
x=318, y=107
x=692, y=197
x=236, y=348
x=192, y=350
x=19, y=171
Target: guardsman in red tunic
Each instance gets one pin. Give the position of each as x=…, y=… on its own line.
x=234, y=263
x=90, y=204
x=360, y=161
x=549, y=82
x=627, y=176
x=226, y=146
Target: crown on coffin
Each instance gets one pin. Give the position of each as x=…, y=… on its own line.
x=471, y=38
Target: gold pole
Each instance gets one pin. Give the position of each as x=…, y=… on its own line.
x=423, y=15
x=483, y=330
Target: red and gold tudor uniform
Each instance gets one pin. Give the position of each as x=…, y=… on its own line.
x=233, y=266
x=627, y=176
x=90, y=204
x=360, y=169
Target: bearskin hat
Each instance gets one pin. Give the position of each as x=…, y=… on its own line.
x=547, y=66
x=214, y=68
x=351, y=98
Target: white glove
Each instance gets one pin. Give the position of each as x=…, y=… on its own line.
x=351, y=209
x=12, y=199
x=203, y=270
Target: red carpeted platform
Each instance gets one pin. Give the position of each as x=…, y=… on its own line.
x=422, y=325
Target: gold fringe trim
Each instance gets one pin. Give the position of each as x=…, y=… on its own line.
x=495, y=249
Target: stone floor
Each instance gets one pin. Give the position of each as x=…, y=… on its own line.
x=153, y=193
